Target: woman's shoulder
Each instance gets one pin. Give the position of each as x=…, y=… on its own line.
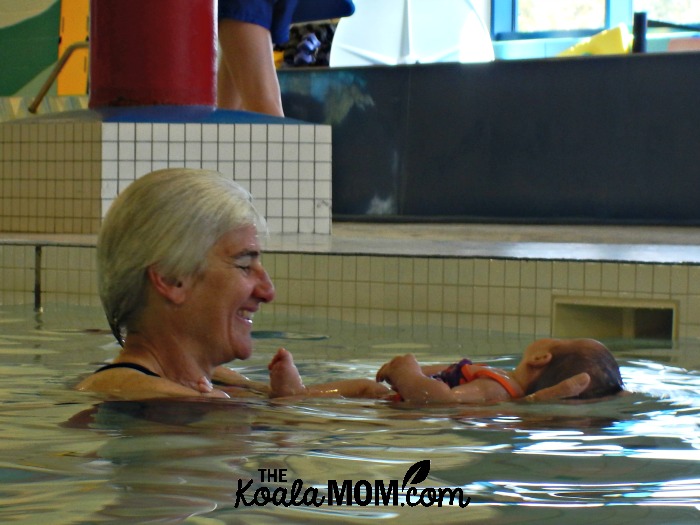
x=130, y=383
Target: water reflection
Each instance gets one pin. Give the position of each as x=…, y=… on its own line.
x=74, y=459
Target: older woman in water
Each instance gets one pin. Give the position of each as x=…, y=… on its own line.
x=180, y=278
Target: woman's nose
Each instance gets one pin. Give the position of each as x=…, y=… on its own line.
x=265, y=290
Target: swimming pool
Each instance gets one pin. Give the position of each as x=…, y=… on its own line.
x=66, y=457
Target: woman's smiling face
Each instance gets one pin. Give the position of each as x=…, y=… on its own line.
x=222, y=300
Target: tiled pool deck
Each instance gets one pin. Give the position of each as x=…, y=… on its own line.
x=505, y=278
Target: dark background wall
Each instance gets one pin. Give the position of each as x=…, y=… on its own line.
x=613, y=139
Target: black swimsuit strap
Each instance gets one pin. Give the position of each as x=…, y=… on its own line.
x=133, y=366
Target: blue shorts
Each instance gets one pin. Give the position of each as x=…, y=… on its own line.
x=273, y=15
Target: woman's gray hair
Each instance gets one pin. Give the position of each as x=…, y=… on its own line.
x=170, y=218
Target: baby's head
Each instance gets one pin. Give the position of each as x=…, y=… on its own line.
x=551, y=361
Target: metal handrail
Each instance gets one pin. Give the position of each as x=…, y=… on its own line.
x=54, y=73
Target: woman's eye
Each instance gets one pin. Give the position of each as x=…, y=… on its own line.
x=244, y=263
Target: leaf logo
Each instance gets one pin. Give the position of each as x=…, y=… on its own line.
x=419, y=471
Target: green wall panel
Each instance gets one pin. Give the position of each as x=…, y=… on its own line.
x=28, y=48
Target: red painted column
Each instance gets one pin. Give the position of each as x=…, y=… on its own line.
x=152, y=52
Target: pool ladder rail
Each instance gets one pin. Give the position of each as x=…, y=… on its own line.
x=34, y=106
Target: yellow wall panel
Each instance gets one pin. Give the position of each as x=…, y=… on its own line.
x=75, y=27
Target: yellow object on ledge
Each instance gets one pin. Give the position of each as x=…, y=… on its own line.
x=614, y=41
x=75, y=24
x=279, y=58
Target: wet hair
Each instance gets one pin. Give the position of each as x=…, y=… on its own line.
x=586, y=355
x=170, y=218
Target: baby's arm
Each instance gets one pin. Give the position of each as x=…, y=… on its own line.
x=409, y=379
x=431, y=370
x=406, y=376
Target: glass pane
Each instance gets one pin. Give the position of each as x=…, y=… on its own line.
x=675, y=11
x=558, y=15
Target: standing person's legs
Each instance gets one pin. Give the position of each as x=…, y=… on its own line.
x=247, y=77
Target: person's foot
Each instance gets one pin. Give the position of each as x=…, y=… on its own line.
x=285, y=380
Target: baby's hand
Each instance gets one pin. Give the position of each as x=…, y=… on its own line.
x=399, y=365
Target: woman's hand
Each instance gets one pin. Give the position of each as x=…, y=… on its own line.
x=205, y=388
x=570, y=387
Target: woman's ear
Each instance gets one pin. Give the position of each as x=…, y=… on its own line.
x=171, y=289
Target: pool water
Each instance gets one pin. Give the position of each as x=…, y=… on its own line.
x=67, y=457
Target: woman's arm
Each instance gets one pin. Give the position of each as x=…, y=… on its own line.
x=231, y=378
x=570, y=387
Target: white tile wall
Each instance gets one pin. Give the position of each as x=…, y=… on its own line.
x=286, y=167
x=49, y=177
x=61, y=177
x=498, y=295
